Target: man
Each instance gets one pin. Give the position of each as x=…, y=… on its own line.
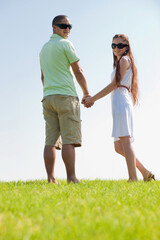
x=61, y=107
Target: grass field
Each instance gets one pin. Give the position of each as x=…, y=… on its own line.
x=91, y=210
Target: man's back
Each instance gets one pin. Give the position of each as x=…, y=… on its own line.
x=61, y=108
x=55, y=59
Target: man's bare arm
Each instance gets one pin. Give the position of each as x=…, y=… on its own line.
x=42, y=77
x=78, y=72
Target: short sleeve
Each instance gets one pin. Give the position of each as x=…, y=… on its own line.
x=70, y=52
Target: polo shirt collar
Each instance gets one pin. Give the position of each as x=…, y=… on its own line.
x=55, y=36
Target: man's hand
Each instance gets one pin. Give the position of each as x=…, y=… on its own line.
x=89, y=104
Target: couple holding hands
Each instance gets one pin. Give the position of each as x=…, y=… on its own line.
x=61, y=108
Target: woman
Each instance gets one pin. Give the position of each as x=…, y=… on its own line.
x=124, y=88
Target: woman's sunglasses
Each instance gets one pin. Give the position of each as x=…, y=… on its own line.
x=64, y=26
x=119, y=45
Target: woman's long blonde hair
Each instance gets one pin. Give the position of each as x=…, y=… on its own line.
x=134, y=86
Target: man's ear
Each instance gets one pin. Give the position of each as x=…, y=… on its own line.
x=54, y=28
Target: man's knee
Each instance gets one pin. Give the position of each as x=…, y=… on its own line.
x=49, y=148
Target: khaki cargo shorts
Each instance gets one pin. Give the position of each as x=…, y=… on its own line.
x=62, y=117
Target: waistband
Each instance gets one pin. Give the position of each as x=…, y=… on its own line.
x=124, y=87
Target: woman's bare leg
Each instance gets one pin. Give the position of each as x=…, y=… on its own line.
x=119, y=149
x=130, y=157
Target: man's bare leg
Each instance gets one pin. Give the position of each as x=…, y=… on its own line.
x=49, y=159
x=68, y=155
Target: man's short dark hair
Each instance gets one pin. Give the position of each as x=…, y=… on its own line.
x=58, y=19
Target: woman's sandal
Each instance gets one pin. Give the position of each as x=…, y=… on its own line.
x=149, y=177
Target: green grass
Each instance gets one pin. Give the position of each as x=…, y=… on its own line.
x=92, y=210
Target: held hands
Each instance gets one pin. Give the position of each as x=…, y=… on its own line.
x=87, y=100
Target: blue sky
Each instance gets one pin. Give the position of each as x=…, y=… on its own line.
x=25, y=27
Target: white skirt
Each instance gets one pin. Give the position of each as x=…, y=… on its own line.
x=122, y=112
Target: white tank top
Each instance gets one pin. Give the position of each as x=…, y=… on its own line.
x=127, y=79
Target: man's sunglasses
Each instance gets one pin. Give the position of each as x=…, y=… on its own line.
x=119, y=45
x=64, y=26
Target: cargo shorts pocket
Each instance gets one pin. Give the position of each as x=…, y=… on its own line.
x=74, y=129
x=74, y=126
x=75, y=119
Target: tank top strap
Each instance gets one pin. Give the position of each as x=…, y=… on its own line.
x=128, y=58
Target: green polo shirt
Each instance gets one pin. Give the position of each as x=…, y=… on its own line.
x=56, y=57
